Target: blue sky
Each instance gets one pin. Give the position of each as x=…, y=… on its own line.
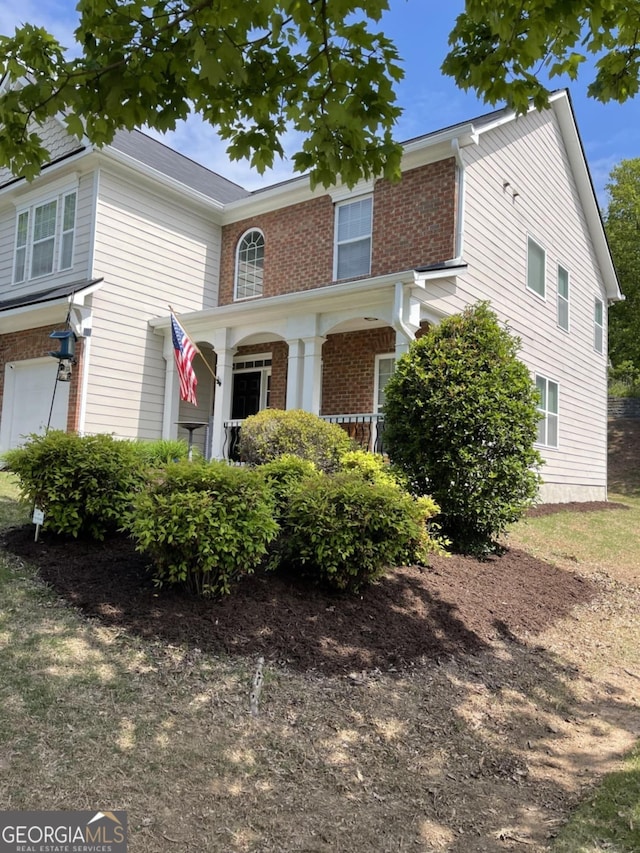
x=420, y=28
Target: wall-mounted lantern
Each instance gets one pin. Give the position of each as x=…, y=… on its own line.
x=65, y=354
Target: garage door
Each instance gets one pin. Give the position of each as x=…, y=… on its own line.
x=26, y=403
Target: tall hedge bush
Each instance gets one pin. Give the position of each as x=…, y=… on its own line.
x=461, y=420
x=273, y=433
x=204, y=525
x=84, y=484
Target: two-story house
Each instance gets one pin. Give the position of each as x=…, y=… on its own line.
x=303, y=298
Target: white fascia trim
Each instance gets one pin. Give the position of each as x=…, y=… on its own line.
x=41, y=313
x=564, y=114
x=318, y=300
x=160, y=178
x=48, y=170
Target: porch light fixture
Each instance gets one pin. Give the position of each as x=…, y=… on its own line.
x=66, y=353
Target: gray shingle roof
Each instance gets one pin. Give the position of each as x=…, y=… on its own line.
x=48, y=295
x=163, y=159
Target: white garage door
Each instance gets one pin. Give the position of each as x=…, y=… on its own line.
x=28, y=392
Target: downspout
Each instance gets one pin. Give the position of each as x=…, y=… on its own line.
x=459, y=237
x=397, y=321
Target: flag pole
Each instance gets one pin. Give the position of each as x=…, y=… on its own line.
x=196, y=347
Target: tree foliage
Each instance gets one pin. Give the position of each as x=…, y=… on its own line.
x=460, y=420
x=500, y=48
x=622, y=221
x=253, y=70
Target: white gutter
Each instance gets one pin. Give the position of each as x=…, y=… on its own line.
x=459, y=244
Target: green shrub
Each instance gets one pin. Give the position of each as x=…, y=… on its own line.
x=204, y=526
x=84, y=484
x=160, y=452
x=273, y=432
x=285, y=476
x=345, y=531
x=460, y=420
x=372, y=467
x=624, y=380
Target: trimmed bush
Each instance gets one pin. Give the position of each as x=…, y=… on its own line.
x=204, y=525
x=345, y=531
x=84, y=484
x=273, y=433
x=460, y=420
x=373, y=468
x=285, y=476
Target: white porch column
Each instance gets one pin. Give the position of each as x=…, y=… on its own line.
x=171, y=392
x=312, y=374
x=295, y=366
x=223, y=392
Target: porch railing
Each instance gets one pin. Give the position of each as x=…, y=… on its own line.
x=367, y=430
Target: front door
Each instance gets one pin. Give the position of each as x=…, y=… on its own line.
x=246, y=394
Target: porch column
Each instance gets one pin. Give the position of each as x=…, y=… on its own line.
x=312, y=374
x=223, y=392
x=171, y=392
x=295, y=366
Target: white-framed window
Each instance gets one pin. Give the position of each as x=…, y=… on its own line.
x=385, y=366
x=598, y=325
x=536, y=267
x=353, y=228
x=45, y=236
x=563, y=298
x=250, y=265
x=548, y=408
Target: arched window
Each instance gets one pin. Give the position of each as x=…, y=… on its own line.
x=250, y=264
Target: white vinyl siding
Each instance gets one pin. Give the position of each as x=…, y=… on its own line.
x=536, y=267
x=250, y=265
x=353, y=238
x=563, y=298
x=531, y=153
x=549, y=410
x=152, y=251
x=44, y=238
x=598, y=325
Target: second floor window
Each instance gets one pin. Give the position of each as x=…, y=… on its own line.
x=598, y=325
x=44, y=238
x=536, y=262
x=563, y=298
x=353, y=238
x=250, y=265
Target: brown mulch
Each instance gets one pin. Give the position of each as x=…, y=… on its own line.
x=457, y=606
x=573, y=506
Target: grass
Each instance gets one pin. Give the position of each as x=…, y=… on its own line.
x=609, y=819
x=95, y=718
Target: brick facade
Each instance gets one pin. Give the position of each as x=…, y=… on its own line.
x=348, y=369
x=35, y=343
x=413, y=224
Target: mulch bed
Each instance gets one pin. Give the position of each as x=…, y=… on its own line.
x=457, y=606
x=587, y=506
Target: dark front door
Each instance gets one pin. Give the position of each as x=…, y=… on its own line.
x=246, y=395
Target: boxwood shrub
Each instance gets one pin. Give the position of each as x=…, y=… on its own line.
x=84, y=484
x=345, y=531
x=204, y=525
x=273, y=432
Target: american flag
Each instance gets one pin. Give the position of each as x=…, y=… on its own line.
x=184, y=351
